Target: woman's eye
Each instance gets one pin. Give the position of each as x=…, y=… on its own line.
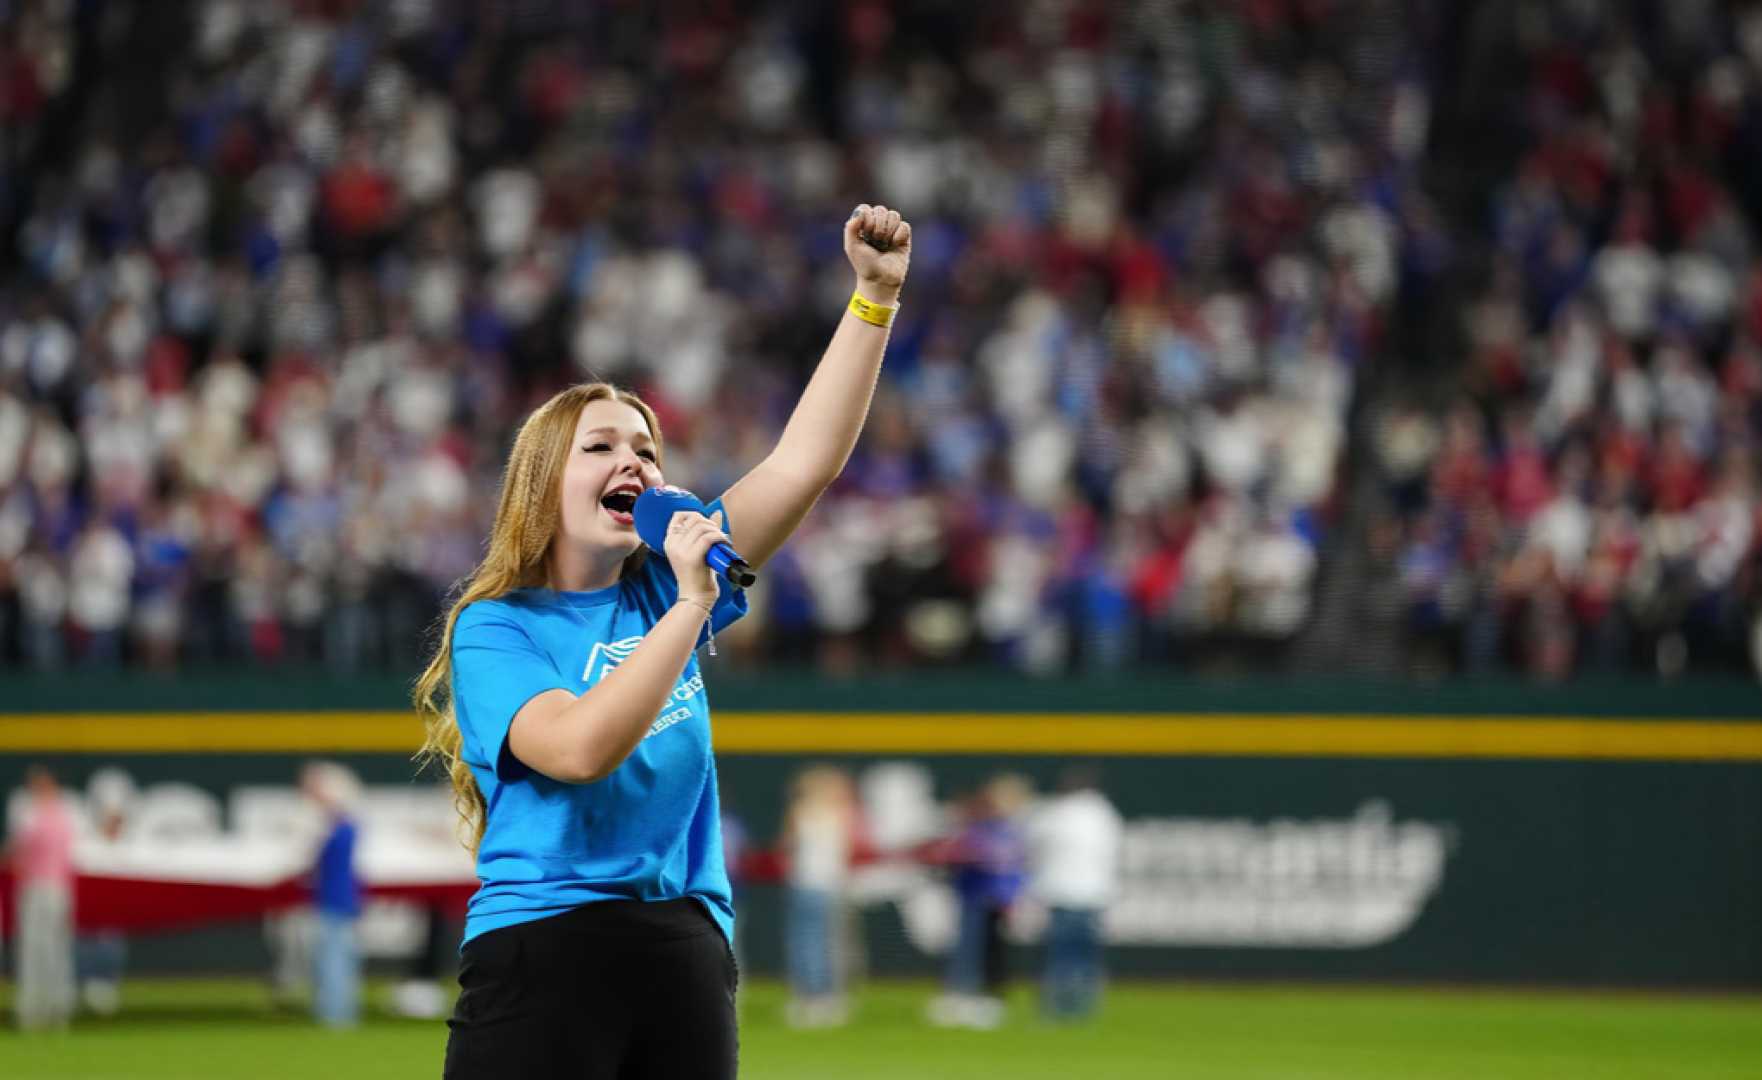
x=596, y=447
x=649, y=455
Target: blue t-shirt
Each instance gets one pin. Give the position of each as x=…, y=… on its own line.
x=649, y=831
x=335, y=889
x=994, y=862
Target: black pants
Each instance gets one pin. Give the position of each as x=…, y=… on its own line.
x=996, y=959
x=615, y=990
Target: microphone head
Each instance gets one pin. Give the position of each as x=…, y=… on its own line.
x=656, y=507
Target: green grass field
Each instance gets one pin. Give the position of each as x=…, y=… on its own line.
x=225, y=1028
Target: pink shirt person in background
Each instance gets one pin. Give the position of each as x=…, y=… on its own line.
x=41, y=853
x=42, y=845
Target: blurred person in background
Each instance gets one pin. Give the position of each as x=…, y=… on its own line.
x=565, y=700
x=336, y=896
x=817, y=841
x=40, y=851
x=1074, y=855
x=990, y=856
x=100, y=571
x=101, y=954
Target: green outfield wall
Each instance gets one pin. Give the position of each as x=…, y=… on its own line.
x=1602, y=834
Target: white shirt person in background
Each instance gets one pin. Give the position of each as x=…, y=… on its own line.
x=817, y=834
x=1074, y=846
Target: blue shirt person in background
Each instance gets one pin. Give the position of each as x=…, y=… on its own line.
x=991, y=860
x=566, y=702
x=336, y=894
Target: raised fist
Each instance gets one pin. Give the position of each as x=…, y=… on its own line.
x=879, y=246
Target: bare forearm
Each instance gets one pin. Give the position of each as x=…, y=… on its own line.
x=580, y=740
x=827, y=420
x=768, y=503
x=615, y=715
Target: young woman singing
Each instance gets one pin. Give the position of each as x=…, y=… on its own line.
x=565, y=700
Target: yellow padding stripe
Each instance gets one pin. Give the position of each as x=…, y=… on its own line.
x=210, y=732
x=1213, y=735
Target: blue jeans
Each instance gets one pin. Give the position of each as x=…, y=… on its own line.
x=1072, y=979
x=336, y=965
x=101, y=956
x=966, y=961
x=808, y=945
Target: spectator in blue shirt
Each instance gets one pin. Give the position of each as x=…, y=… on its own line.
x=336, y=893
x=991, y=858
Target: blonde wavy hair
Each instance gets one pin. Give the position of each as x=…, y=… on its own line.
x=528, y=518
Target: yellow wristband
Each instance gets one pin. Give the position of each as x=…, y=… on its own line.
x=870, y=312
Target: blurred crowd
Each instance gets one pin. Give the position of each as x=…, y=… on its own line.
x=1016, y=866
x=1590, y=502
x=284, y=275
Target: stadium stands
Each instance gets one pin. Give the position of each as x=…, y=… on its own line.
x=1587, y=499
x=283, y=275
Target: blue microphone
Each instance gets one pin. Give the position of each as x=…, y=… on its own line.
x=655, y=509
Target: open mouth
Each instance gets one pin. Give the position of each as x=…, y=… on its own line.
x=621, y=505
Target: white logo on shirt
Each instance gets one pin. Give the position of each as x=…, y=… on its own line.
x=668, y=719
x=605, y=657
